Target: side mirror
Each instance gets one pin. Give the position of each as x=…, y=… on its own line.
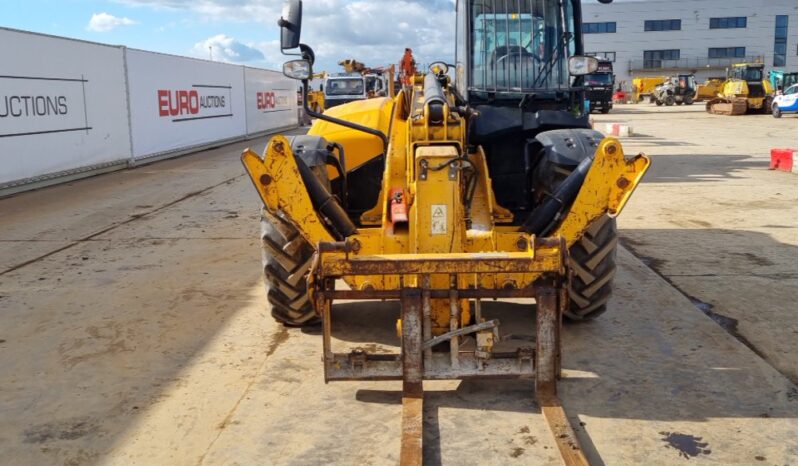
x=580, y=66
x=290, y=24
x=297, y=69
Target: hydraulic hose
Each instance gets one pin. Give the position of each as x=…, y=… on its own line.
x=340, y=165
x=548, y=214
x=326, y=203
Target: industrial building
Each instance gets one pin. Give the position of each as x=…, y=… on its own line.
x=666, y=37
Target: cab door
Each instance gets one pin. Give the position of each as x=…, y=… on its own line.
x=789, y=101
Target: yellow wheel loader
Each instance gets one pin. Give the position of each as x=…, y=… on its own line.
x=746, y=90
x=487, y=186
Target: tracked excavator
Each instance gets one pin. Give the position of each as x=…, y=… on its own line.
x=491, y=185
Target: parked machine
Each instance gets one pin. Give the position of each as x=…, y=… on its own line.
x=643, y=87
x=787, y=102
x=676, y=90
x=316, y=95
x=709, y=89
x=781, y=80
x=486, y=187
x=358, y=82
x=600, y=86
x=744, y=91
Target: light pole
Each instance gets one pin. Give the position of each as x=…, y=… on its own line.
x=210, y=49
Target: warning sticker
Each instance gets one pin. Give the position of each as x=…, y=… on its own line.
x=438, y=223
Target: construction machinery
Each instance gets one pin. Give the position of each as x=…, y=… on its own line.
x=644, y=87
x=780, y=80
x=709, y=89
x=600, y=85
x=745, y=91
x=677, y=90
x=316, y=96
x=358, y=82
x=488, y=186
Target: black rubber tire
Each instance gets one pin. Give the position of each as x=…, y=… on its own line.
x=286, y=260
x=688, y=100
x=605, y=110
x=669, y=101
x=659, y=103
x=592, y=261
x=776, y=111
x=767, y=105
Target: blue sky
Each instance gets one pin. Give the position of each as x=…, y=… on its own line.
x=244, y=31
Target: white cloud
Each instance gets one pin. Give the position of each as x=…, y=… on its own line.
x=374, y=32
x=227, y=49
x=103, y=22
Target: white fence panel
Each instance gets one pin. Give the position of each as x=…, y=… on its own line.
x=271, y=100
x=62, y=106
x=177, y=103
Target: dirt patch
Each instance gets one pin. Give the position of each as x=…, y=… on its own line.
x=754, y=259
x=688, y=446
x=104, y=341
x=71, y=429
x=729, y=324
x=278, y=339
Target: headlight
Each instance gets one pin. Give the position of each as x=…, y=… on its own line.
x=297, y=69
x=580, y=66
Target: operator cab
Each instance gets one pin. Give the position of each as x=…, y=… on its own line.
x=343, y=89
x=520, y=66
x=752, y=74
x=511, y=49
x=686, y=82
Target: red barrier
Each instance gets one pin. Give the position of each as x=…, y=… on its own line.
x=782, y=159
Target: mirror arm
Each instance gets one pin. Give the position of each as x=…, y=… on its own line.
x=307, y=54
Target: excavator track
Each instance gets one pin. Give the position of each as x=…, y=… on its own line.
x=718, y=106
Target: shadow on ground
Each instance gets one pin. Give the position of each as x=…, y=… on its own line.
x=701, y=167
x=743, y=280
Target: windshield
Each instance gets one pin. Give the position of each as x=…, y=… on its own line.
x=520, y=45
x=598, y=79
x=344, y=86
x=749, y=74
x=373, y=84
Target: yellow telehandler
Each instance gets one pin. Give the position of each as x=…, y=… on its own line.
x=487, y=186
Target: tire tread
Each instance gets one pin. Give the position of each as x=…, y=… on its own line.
x=286, y=260
x=592, y=260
